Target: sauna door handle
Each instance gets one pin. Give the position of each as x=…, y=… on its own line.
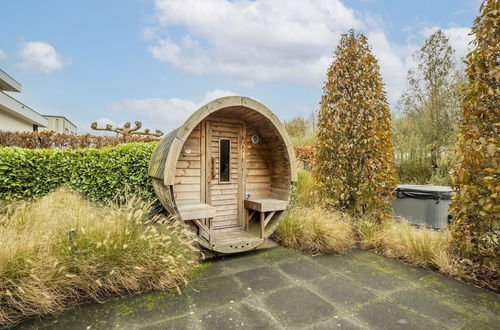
x=213, y=167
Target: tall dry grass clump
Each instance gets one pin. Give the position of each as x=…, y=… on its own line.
x=310, y=228
x=415, y=245
x=315, y=230
x=62, y=249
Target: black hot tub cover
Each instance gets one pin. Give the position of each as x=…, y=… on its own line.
x=423, y=191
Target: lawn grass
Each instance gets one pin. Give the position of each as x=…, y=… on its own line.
x=61, y=250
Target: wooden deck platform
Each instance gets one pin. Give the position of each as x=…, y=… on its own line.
x=238, y=241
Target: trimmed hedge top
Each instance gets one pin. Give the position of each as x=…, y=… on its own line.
x=97, y=173
x=52, y=140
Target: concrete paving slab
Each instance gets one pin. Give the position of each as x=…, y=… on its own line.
x=120, y=313
x=240, y=262
x=278, y=255
x=262, y=278
x=444, y=309
x=341, y=292
x=151, y=307
x=215, y=292
x=482, y=321
x=210, y=269
x=304, y=270
x=376, y=280
x=337, y=263
x=341, y=323
x=297, y=307
x=243, y=315
x=470, y=295
x=181, y=323
x=385, y=315
x=287, y=290
x=399, y=269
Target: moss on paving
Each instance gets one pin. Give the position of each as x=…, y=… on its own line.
x=271, y=288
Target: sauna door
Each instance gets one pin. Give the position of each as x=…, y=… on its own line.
x=224, y=173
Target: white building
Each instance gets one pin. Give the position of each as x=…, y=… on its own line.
x=18, y=117
x=14, y=115
x=59, y=124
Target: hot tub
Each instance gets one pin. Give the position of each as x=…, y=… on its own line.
x=424, y=205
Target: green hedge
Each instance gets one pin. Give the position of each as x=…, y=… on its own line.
x=97, y=173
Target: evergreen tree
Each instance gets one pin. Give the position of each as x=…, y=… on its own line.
x=355, y=157
x=476, y=207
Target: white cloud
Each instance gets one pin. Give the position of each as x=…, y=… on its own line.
x=102, y=122
x=215, y=94
x=248, y=40
x=161, y=113
x=84, y=126
x=38, y=56
x=3, y=56
x=394, y=61
x=149, y=33
x=458, y=36
x=276, y=40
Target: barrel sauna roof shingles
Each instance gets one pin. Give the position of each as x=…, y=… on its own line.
x=157, y=163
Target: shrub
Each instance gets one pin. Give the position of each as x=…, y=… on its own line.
x=476, y=207
x=355, y=165
x=301, y=130
x=49, y=140
x=97, y=173
x=305, y=156
x=413, y=170
x=315, y=230
x=62, y=249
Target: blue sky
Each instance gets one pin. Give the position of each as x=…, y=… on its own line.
x=157, y=61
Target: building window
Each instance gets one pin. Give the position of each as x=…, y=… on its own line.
x=35, y=128
x=224, y=160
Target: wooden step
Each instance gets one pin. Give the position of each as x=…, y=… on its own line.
x=230, y=242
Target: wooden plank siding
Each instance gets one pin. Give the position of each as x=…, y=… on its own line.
x=258, y=168
x=187, y=187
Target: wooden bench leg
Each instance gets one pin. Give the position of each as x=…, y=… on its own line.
x=262, y=223
x=210, y=224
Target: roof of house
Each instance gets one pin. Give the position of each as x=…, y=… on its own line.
x=55, y=116
x=7, y=83
x=18, y=109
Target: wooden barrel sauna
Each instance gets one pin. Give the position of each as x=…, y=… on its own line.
x=227, y=172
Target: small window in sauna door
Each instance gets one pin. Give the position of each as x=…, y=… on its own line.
x=224, y=160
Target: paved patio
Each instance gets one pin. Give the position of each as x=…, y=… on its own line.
x=277, y=289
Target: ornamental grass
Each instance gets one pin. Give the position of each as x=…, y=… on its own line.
x=418, y=246
x=62, y=250
x=315, y=230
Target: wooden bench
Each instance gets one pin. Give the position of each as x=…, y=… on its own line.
x=196, y=212
x=263, y=206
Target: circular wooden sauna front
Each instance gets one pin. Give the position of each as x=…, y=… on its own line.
x=227, y=172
